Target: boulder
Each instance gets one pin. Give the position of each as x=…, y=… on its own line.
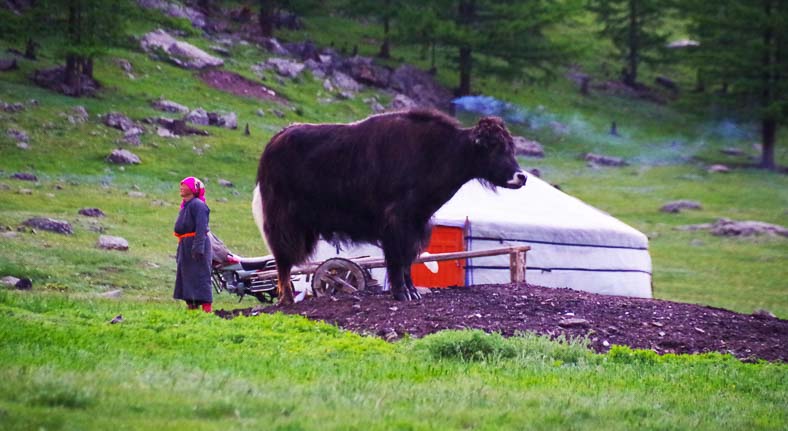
x=402, y=102
x=421, y=87
x=20, y=136
x=363, y=70
x=55, y=79
x=727, y=227
x=601, y=160
x=719, y=169
x=677, y=206
x=176, y=10
x=225, y=183
x=345, y=82
x=9, y=280
x=181, y=53
x=273, y=46
x=284, y=67
x=79, y=115
x=91, y=212
x=169, y=106
x=120, y=156
x=49, y=224
x=227, y=120
x=125, y=65
x=198, y=116
x=108, y=242
x=7, y=64
x=119, y=121
x=12, y=107
x=528, y=148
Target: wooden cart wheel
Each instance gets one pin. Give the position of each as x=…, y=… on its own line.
x=338, y=275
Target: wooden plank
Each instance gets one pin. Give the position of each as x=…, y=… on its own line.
x=517, y=266
x=376, y=262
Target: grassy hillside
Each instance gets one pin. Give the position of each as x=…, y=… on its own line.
x=64, y=367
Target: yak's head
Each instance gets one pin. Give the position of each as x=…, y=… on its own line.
x=494, y=146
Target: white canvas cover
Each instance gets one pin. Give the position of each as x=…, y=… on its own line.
x=573, y=244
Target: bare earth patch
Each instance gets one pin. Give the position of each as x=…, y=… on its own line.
x=662, y=326
x=234, y=83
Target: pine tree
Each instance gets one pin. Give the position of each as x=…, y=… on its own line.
x=744, y=48
x=634, y=28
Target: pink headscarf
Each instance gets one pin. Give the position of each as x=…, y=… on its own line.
x=196, y=186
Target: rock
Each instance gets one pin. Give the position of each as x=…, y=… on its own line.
x=108, y=242
x=132, y=136
x=48, y=224
x=55, y=80
x=421, y=87
x=402, y=102
x=730, y=151
x=364, y=70
x=9, y=280
x=198, y=116
x=165, y=133
x=228, y=120
x=763, y=314
x=119, y=121
x=181, y=53
x=667, y=83
x=12, y=107
x=328, y=86
x=260, y=113
x=604, y=160
x=117, y=293
x=527, y=147
x=125, y=65
x=718, y=169
x=677, y=206
x=278, y=113
x=120, y=156
x=273, y=46
x=169, y=106
x=559, y=128
x=344, y=82
x=24, y=284
x=116, y=319
x=136, y=194
x=176, y=10
x=7, y=64
x=78, y=115
x=91, y=212
x=727, y=227
x=25, y=192
x=694, y=227
x=24, y=176
x=224, y=52
x=282, y=66
x=20, y=136
x=224, y=183
x=573, y=323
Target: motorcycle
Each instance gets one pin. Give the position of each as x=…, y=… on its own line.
x=241, y=276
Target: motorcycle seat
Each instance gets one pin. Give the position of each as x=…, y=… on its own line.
x=257, y=263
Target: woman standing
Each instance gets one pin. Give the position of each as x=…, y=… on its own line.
x=193, y=279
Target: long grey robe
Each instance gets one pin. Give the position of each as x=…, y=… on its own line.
x=193, y=279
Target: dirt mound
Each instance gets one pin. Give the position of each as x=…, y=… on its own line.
x=662, y=326
x=236, y=84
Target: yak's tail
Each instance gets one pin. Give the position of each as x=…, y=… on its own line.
x=257, y=210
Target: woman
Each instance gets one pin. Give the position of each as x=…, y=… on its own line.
x=193, y=279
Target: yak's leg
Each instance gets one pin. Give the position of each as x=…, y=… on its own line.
x=284, y=287
x=398, y=260
x=290, y=246
x=414, y=293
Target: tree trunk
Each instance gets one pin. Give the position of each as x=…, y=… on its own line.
x=30, y=49
x=465, y=71
x=266, y=19
x=631, y=76
x=87, y=67
x=385, y=49
x=73, y=76
x=768, y=138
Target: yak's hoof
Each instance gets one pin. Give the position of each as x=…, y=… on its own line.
x=407, y=295
x=414, y=293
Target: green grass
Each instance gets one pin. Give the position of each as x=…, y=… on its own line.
x=65, y=367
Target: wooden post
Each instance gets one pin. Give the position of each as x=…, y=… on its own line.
x=517, y=266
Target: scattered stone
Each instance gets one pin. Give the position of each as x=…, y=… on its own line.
x=117, y=293
x=9, y=280
x=24, y=284
x=344, y=82
x=677, y=206
x=55, y=79
x=119, y=121
x=125, y=65
x=132, y=136
x=78, y=115
x=224, y=52
x=727, y=227
x=25, y=192
x=402, y=102
x=228, y=120
x=12, y=107
x=273, y=46
x=559, y=128
x=722, y=169
x=136, y=194
x=528, y=148
x=694, y=227
x=7, y=64
x=600, y=160
x=20, y=136
x=260, y=113
x=278, y=113
x=8, y=235
x=24, y=176
x=198, y=116
x=421, y=87
x=180, y=53
x=364, y=70
x=49, y=224
x=176, y=10
x=225, y=183
x=116, y=319
x=282, y=66
x=573, y=323
x=108, y=242
x=390, y=335
x=91, y=212
x=165, y=133
x=328, y=86
x=169, y=106
x=120, y=156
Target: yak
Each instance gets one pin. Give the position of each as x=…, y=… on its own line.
x=378, y=180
